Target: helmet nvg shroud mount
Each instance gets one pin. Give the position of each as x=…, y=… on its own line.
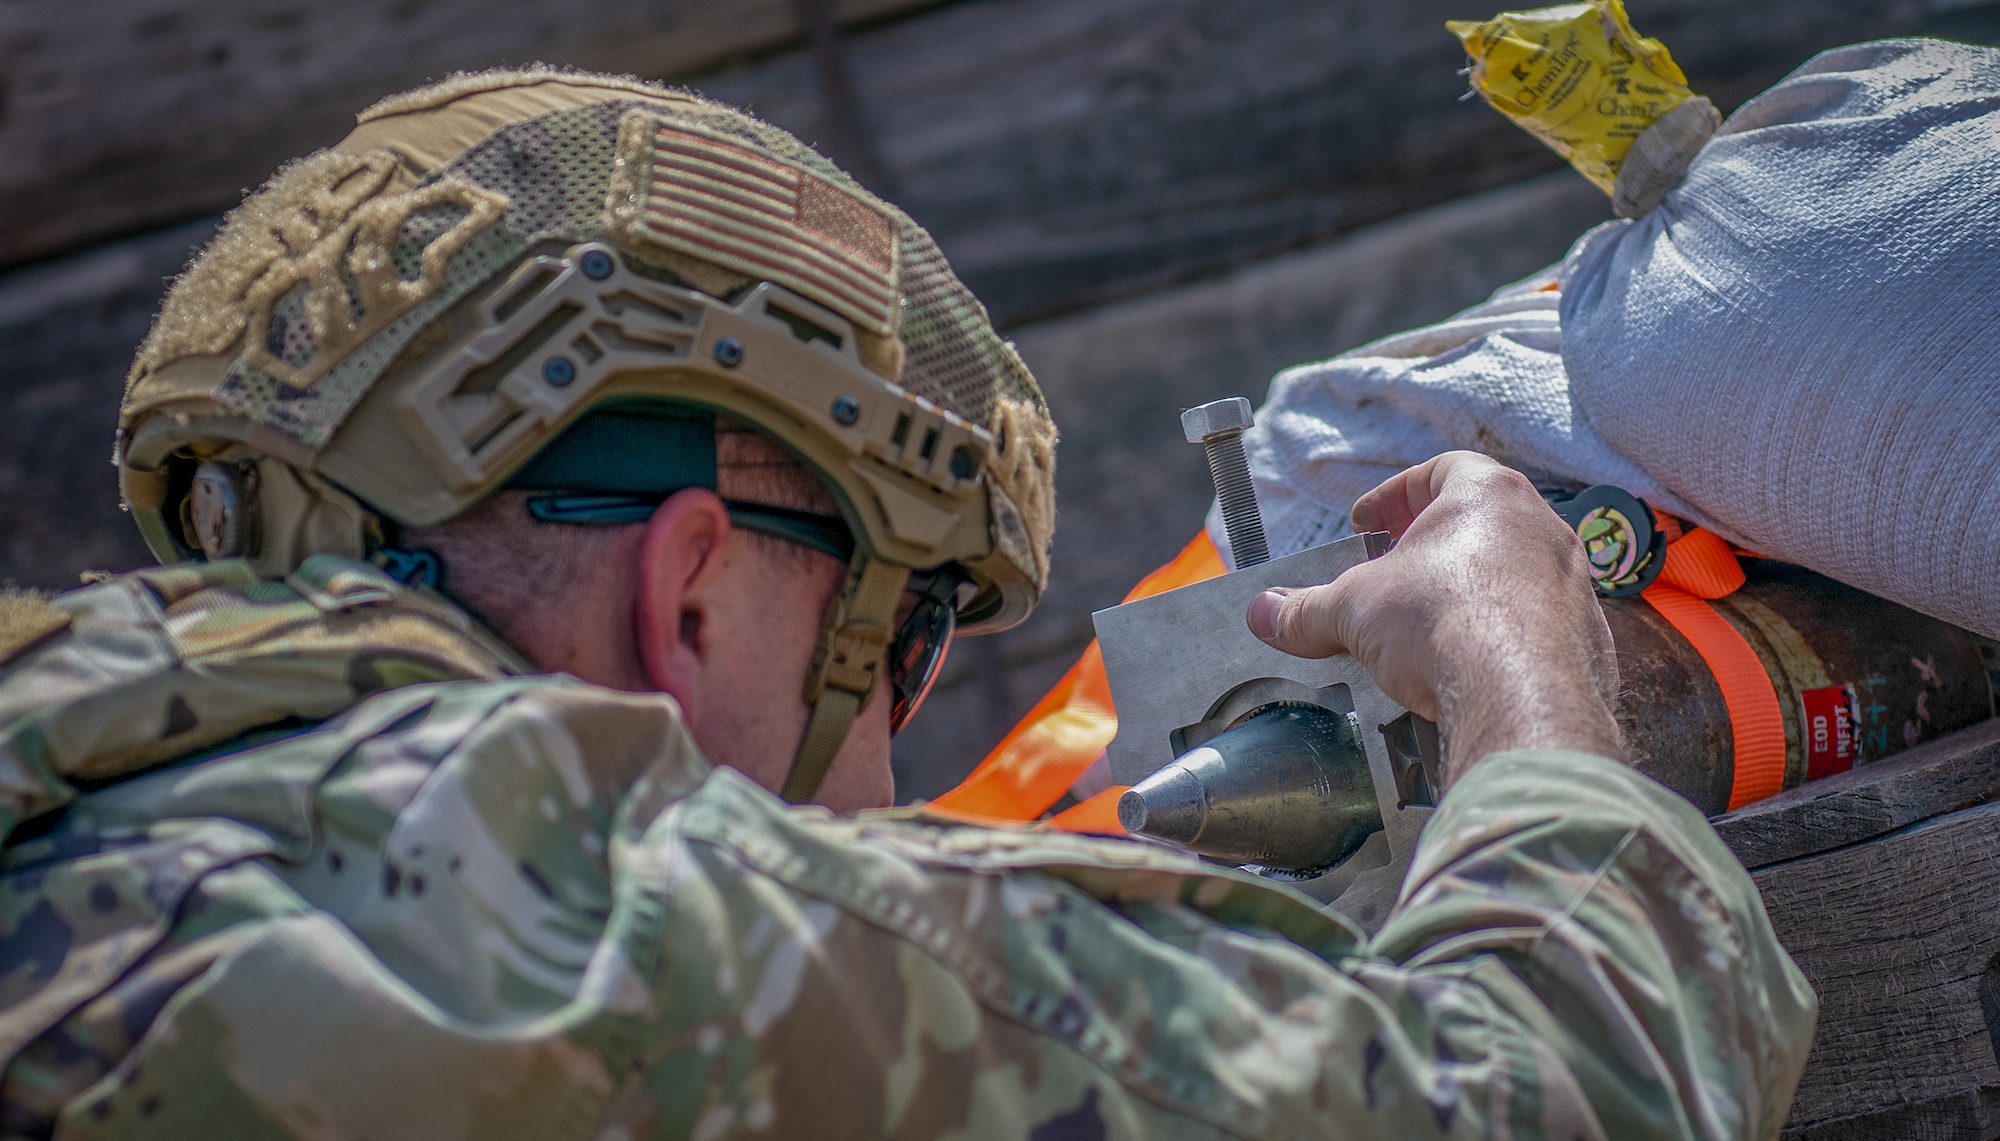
x=392, y=328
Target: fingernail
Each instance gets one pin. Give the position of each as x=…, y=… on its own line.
x=1264, y=612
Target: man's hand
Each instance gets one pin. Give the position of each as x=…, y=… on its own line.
x=1482, y=618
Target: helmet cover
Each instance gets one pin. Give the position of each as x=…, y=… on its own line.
x=361, y=324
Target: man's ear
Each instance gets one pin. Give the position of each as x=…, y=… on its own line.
x=682, y=553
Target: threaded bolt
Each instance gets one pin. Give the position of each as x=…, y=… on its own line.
x=1218, y=428
x=1229, y=467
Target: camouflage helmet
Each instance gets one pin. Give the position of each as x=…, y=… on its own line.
x=392, y=328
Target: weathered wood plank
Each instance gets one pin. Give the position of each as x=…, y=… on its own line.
x=1896, y=935
x=1068, y=153
x=1938, y=776
x=1962, y=1116
x=121, y=114
x=1882, y=882
x=67, y=333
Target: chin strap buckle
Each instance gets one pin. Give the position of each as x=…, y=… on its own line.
x=860, y=624
x=849, y=658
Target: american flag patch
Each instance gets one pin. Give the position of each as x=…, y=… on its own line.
x=763, y=217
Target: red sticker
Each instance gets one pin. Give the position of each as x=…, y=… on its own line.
x=1832, y=713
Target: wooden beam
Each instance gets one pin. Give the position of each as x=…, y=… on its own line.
x=117, y=115
x=1937, y=777
x=1882, y=882
x=1961, y=1116
x=1065, y=153
x=1897, y=935
x=68, y=329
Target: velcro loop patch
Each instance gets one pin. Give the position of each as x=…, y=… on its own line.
x=25, y=619
x=367, y=255
x=705, y=197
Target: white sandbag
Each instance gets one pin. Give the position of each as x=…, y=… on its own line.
x=1798, y=348
x=1490, y=379
x=1803, y=339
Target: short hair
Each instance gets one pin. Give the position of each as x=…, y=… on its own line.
x=501, y=563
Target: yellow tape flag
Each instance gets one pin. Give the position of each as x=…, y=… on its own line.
x=1575, y=76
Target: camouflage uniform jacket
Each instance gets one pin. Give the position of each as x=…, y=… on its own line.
x=315, y=859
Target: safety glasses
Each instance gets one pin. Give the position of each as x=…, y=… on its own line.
x=923, y=638
x=917, y=655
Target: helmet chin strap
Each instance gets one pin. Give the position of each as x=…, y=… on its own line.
x=860, y=624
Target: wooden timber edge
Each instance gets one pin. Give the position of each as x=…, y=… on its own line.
x=1953, y=772
x=1884, y=884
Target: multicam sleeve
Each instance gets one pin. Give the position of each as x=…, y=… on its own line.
x=1602, y=914
x=1575, y=956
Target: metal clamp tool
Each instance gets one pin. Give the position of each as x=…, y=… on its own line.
x=1300, y=769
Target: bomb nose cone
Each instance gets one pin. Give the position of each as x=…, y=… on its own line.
x=1288, y=788
x=1170, y=805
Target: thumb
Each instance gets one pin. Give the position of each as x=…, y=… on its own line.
x=1308, y=622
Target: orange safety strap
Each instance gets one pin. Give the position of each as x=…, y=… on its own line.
x=1756, y=724
x=1700, y=566
x=1700, y=563
x=1068, y=729
x=1098, y=814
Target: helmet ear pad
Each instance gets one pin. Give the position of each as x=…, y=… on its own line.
x=218, y=515
x=244, y=504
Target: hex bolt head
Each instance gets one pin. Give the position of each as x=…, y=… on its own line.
x=846, y=410
x=559, y=371
x=596, y=264
x=1215, y=418
x=729, y=352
